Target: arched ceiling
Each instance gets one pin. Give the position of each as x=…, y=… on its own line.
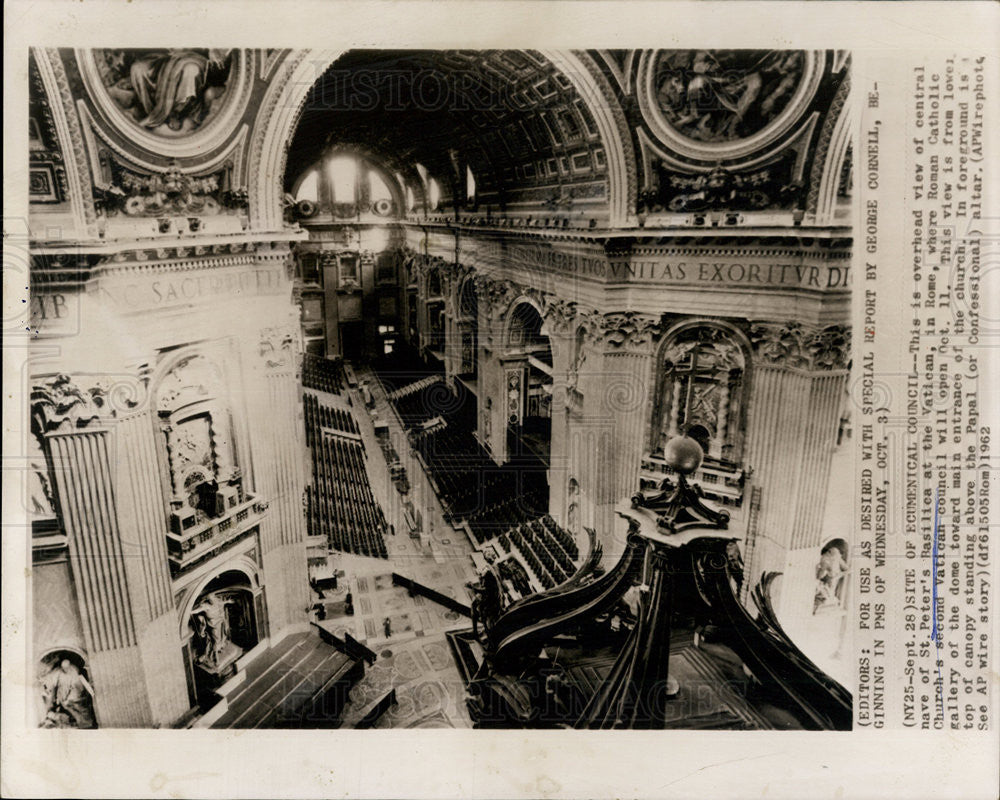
x=514, y=118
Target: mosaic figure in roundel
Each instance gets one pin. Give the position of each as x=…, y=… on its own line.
x=723, y=95
x=170, y=92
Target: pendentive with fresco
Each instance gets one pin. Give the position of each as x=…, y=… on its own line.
x=310, y=325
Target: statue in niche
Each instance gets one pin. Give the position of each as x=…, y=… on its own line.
x=723, y=95
x=831, y=572
x=68, y=697
x=170, y=91
x=210, y=620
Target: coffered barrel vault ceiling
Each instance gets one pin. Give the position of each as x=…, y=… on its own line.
x=512, y=117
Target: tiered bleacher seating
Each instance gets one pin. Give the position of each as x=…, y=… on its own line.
x=473, y=488
x=512, y=508
x=322, y=374
x=318, y=415
x=491, y=499
x=549, y=551
x=340, y=505
x=415, y=409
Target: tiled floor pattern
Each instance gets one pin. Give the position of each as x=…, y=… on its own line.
x=429, y=689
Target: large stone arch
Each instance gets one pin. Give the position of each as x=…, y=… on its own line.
x=243, y=564
x=509, y=319
x=284, y=100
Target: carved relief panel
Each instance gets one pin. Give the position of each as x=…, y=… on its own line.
x=703, y=391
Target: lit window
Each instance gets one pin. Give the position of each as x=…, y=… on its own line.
x=470, y=185
x=422, y=172
x=377, y=187
x=411, y=200
x=435, y=193
x=309, y=188
x=343, y=177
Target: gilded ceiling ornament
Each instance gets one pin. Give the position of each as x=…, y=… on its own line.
x=171, y=192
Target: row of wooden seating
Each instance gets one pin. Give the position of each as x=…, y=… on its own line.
x=340, y=504
x=319, y=415
x=542, y=544
x=322, y=374
x=471, y=486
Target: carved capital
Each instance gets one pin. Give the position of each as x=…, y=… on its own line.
x=800, y=346
x=560, y=314
x=60, y=403
x=623, y=330
x=497, y=293
x=276, y=347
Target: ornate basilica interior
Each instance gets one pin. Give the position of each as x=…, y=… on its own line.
x=440, y=388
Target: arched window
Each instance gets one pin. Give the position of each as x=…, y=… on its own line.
x=343, y=172
x=470, y=185
x=309, y=188
x=435, y=194
x=411, y=200
x=377, y=187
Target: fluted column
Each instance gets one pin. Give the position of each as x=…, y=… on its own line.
x=627, y=381
x=142, y=520
x=617, y=400
x=799, y=376
x=100, y=438
x=277, y=445
x=85, y=485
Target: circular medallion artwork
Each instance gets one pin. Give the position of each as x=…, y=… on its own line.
x=722, y=95
x=169, y=92
x=714, y=105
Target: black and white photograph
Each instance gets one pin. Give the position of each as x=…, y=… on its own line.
x=434, y=410
x=449, y=389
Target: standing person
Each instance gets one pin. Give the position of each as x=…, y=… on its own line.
x=387, y=627
x=349, y=604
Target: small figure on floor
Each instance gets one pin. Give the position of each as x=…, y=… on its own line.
x=349, y=605
x=387, y=627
